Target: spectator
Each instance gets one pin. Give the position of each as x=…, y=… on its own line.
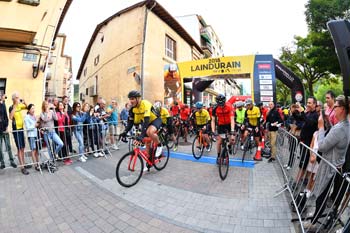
x=112, y=110
x=319, y=107
x=124, y=115
x=103, y=127
x=55, y=102
x=333, y=148
x=296, y=122
x=273, y=118
x=175, y=109
x=330, y=96
x=32, y=134
x=68, y=109
x=63, y=123
x=4, y=135
x=17, y=127
x=306, y=133
x=47, y=118
x=78, y=117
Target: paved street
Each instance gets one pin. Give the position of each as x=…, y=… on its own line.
x=187, y=196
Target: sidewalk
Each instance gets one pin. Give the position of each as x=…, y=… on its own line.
x=184, y=197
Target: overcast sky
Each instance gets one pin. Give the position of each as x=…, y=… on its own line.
x=244, y=27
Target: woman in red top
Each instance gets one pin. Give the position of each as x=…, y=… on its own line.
x=63, y=123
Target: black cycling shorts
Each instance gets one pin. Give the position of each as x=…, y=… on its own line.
x=222, y=129
x=157, y=123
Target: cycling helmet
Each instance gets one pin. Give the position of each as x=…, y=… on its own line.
x=157, y=105
x=199, y=105
x=239, y=104
x=220, y=99
x=248, y=101
x=134, y=94
x=172, y=67
x=260, y=104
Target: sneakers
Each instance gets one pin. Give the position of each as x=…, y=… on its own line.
x=242, y=147
x=13, y=164
x=67, y=162
x=81, y=159
x=199, y=148
x=96, y=155
x=270, y=160
x=175, y=148
x=24, y=171
x=101, y=154
x=115, y=147
x=159, y=151
x=208, y=148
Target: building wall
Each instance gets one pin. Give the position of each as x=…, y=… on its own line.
x=14, y=68
x=155, y=58
x=60, y=70
x=119, y=57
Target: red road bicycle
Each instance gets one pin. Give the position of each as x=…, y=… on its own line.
x=130, y=166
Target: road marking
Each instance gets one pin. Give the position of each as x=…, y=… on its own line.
x=212, y=160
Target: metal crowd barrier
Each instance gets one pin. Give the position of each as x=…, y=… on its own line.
x=317, y=206
x=99, y=139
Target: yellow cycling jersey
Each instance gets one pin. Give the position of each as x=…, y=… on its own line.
x=144, y=109
x=253, y=115
x=202, y=117
x=164, y=114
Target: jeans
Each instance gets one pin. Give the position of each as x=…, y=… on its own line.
x=52, y=135
x=5, y=137
x=79, y=136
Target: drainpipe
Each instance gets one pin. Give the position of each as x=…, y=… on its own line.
x=143, y=49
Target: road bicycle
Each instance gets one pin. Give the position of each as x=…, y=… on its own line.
x=238, y=138
x=199, y=144
x=224, y=158
x=249, y=143
x=165, y=138
x=130, y=167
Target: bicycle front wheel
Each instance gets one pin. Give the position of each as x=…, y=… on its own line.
x=246, y=148
x=197, y=151
x=161, y=162
x=224, y=163
x=129, y=169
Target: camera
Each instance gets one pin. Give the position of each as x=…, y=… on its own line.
x=21, y=100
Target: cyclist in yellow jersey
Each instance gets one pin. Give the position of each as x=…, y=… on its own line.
x=167, y=120
x=252, y=121
x=202, y=120
x=142, y=112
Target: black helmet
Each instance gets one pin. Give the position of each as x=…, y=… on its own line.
x=220, y=99
x=134, y=94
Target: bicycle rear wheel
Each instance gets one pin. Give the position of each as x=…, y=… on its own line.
x=170, y=141
x=197, y=152
x=129, y=169
x=224, y=163
x=161, y=162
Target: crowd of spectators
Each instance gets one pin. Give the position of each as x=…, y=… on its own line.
x=55, y=127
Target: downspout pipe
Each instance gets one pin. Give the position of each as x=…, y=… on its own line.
x=143, y=50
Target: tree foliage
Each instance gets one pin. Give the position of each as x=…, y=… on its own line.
x=283, y=94
x=313, y=58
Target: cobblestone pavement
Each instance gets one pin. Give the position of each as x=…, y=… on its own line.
x=184, y=197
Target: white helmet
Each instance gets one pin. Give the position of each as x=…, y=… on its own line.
x=157, y=105
x=239, y=104
x=172, y=67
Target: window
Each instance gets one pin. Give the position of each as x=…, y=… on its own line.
x=97, y=59
x=170, y=47
x=86, y=91
x=29, y=57
x=30, y=2
x=85, y=71
x=102, y=38
x=2, y=86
